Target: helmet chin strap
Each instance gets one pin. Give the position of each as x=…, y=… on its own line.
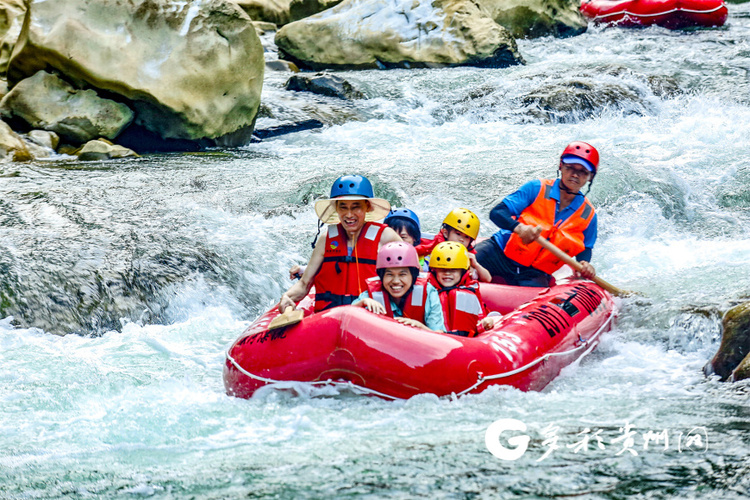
x=566, y=189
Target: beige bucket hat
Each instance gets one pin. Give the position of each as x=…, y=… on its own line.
x=351, y=187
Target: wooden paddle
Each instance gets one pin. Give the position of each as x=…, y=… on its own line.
x=577, y=266
x=290, y=316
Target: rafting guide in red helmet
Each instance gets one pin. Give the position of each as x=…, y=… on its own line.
x=345, y=255
x=554, y=209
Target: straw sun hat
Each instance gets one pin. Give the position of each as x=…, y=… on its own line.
x=351, y=187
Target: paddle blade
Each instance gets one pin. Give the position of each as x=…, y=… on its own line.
x=577, y=266
x=288, y=317
x=619, y=292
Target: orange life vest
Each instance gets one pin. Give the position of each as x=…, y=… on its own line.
x=462, y=305
x=414, y=303
x=343, y=277
x=567, y=234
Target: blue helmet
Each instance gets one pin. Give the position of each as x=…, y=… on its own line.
x=352, y=185
x=403, y=218
x=403, y=213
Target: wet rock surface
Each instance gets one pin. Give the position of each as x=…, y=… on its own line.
x=47, y=102
x=536, y=18
x=153, y=56
x=324, y=84
x=369, y=34
x=732, y=359
x=270, y=11
x=300, y=9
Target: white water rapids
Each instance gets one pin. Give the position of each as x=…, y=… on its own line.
x=188, y=249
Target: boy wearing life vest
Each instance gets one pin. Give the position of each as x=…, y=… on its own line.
x=554, y=209
x=463, y=308
x=400, y=292
x=460, y=226
x=345, y=256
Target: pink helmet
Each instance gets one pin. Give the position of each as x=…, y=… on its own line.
x=397, y=254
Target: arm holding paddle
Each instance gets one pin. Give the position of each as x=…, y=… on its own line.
x=533, y=233
x=301, y=288
x=579, y=266
x=527, y=233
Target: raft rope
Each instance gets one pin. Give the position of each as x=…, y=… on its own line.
x=322, y=383
x=672, y=11
x=585, y=344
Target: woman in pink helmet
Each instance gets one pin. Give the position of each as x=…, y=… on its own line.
x=400, y=292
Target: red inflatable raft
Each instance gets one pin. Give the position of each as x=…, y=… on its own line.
x=672, y=14
x=540, y=334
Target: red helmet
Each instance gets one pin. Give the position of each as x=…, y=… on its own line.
x=584, y=151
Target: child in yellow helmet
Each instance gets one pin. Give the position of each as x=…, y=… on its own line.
x=464, y=311
x=459, y=226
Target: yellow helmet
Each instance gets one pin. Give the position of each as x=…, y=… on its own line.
x=463, y=220
x=449, y=255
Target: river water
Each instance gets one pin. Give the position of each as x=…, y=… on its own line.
x=157, y=264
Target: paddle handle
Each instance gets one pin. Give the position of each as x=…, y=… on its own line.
x=577, y=266
x=290, y=316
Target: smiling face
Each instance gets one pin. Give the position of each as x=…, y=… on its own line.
x=397, y=281
x=352, y=214
x=574, y=176
x=448, y=277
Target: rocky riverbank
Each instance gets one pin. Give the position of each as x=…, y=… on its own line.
x=160, y=75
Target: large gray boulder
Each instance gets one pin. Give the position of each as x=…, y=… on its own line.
x=189, y=70
x=11, y=20
x=41, y=143
x=270, y=11
x=300, y=9
x=103, y=150
x=742, y=371
x=323, y=84
x=12, y=147
x=44, y=138
x=535, y=18
x=46, y=102
x=362, y=34
x=733, y=357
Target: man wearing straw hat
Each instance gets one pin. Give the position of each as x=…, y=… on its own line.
x=344, y=258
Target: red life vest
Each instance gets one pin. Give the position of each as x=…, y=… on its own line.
x=567, y=234
x=425, y=248
x=414, y=303
x=343, y=277
x=463, y=306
